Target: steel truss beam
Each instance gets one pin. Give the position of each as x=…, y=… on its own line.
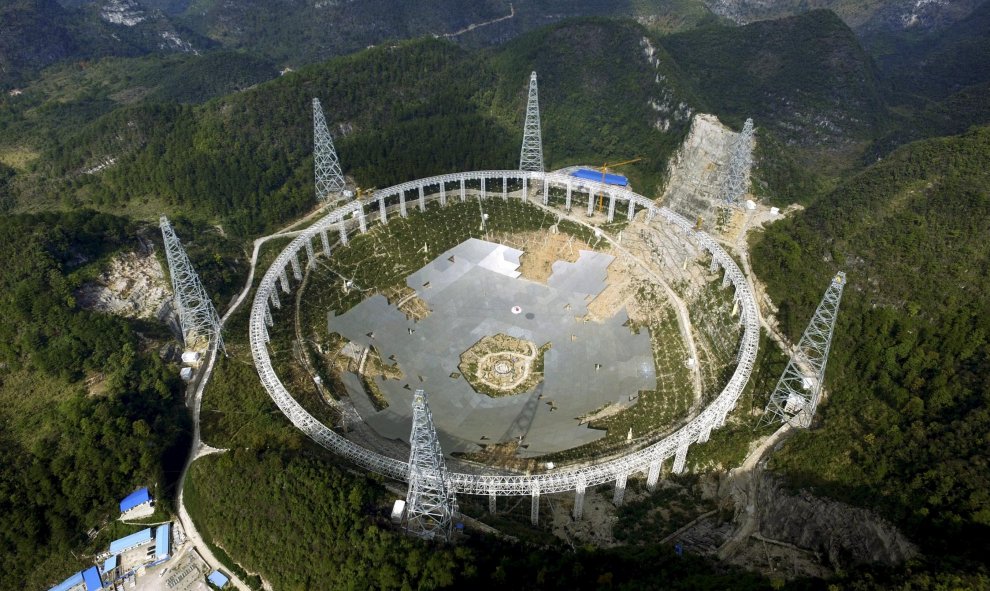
x=795, y=398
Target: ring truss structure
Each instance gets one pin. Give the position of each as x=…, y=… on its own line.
x=353, y=217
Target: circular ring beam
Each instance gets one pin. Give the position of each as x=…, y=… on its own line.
x=453, y=187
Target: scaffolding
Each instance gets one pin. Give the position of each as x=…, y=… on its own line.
x=740, y=161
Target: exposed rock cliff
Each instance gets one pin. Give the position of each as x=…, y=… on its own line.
x=133, y=285
x=839, y=535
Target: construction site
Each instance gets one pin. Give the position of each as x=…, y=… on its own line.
x=519, y=333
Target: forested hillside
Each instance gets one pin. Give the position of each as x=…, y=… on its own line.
x=245, y=159
x=276, y=511
x=869, y=18
x=806, y=78
x=39, y=33
x=905, y=425
x=940, y=64
x=609, y=91
x=87, y=408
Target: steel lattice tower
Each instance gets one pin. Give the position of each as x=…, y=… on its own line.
x=795, y=398
x=430, y=502
x=329, y=178
x=531, y=155
x=197, y=316
x=740, y=160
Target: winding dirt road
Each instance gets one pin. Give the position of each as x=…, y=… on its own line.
x=199, y=449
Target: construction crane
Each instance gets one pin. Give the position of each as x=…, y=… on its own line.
x=604, y=169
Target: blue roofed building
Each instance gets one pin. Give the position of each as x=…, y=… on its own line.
x=218, y=579
x=596, y=175
x=73, y=583
x=87, y=580
x=132, y=541
x=136, y=499
x=163, y=541
x=109, y=568
x=92, y=579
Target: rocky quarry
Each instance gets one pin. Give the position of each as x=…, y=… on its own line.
x=697, y=173
x=132, y=285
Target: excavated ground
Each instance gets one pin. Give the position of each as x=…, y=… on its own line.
x=133, y=285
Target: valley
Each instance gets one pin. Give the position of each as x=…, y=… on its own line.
x=871, y=144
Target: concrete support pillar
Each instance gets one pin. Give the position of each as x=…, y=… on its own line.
x=706, y=431
x=726, y=279
x=274, y=298
x=650, y=213
x=681, y=456
x=362, y=223
x=343, y=231
x=631, y=212
x=534, y=510
x=505, y=188
x=579, y=500
x=463, y=192
x=402, y=203
x=591, y=202
x=443, y=193
x=714, y=266
x=422, y=198
x=285, y=280
x=546, y=191
x=326, y=242
x=620, y=490
x=296, y=269
x=567, y=200
x=310, y=255
x=611, y=207
x=268, y=316
x=653, y=475
x=381, y=210
x=483, y=188
x=491, y=502
x=525, y=188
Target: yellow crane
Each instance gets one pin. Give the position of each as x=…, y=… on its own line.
x=604, y=169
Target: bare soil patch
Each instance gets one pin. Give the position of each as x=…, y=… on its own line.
x=543, y=249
